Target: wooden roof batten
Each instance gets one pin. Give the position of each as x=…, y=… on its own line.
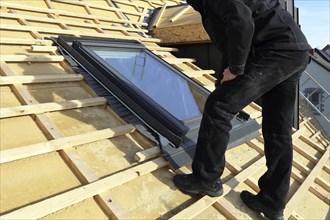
x=40, y=87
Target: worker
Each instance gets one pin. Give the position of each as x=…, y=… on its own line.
x=263, y=52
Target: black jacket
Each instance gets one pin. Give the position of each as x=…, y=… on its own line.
x=237, y=26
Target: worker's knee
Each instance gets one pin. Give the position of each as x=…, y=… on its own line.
x=218, y=110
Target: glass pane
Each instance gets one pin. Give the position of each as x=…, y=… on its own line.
x=153, y=78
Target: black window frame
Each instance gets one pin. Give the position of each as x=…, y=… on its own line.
x=143, y=106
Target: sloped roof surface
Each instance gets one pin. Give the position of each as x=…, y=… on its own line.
x=66, y=155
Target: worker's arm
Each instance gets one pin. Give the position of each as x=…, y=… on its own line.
x=197, y=5
x=239, y=28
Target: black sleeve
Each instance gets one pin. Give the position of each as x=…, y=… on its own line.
x=239, y=28
x=197, y=5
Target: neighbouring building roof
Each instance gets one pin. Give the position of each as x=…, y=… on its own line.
x=65, y=154
x=322, y=57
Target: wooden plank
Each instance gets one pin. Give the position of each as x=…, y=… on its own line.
x=301, y=192
x=226, y=209
x=13, y=27
x=326, y=167
x=305, y=153
x=301, y=167
x=37, y=48
x=236, y=170
x=119, y=14
x=165, y=49
x=66, y=13
x=145, y=10
x=49, y=4
x=208, y=87
x=255, y=106
x=58, y=202
x=83, y=172
x=147, y=154
x=325, y=184
x=312, y=143
x=69, y=22
x=319, y=193
x=50, y=107
x=211, y=78
x=206, y=201
x=114, y=9
x=22, y=41
x=22, y=21
x=197, y=73
x=8, y=80
x=181, y=12
x=178, y=60
x=63, y=143
x=112, y=209
x=159, y=16
x=75, y=33
x=298, y=133
x=295, y=216
x=133, y=3
x=313, y=188
x=31, y=58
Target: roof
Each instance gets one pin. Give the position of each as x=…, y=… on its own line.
x=321, y=57
x=66, y=154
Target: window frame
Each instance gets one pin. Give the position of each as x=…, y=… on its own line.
x=148, y=110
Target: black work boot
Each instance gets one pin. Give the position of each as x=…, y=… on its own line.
x=253, y=203
x=188, y=183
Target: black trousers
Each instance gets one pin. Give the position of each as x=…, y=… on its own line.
x=273, y=76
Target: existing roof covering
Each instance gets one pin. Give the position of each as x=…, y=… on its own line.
x=66, y=154
x=325, y=54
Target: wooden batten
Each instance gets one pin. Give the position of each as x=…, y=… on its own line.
x=148, y=154
x=31, y=58
x=50, y=107
x=8, y=80
x=63, y=143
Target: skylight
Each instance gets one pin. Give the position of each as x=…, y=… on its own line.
x=167, y=101
x=153, y=78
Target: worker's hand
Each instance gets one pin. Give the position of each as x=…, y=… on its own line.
x=227, y=76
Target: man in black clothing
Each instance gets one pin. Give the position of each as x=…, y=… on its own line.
x=264, y=53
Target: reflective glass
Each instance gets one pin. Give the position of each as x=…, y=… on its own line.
x=153, y=78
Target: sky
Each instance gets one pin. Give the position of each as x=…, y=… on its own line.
x=314, y=19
